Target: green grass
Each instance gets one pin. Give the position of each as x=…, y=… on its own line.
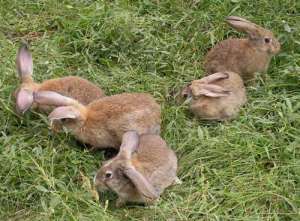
x=247, y=169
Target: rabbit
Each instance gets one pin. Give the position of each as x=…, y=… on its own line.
x=143, y=168
x=103, y=122
x=78, y=88
x=243, y=56
x=216, y=97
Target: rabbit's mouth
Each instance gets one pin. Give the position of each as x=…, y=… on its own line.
x=101, y=194
x=104, y=196
x=102, y=187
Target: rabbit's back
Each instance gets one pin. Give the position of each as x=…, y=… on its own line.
x=224, y=56
x=125, y=110
x=156, y=161
x=221, y=108
x=237, y=55
x=78, y=88
x=123, y=102
x=110, y=117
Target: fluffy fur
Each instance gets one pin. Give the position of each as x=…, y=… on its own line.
x=78, y=88
x=216, y=97
x=103, y=122
x=243, y=56
x=154, y=167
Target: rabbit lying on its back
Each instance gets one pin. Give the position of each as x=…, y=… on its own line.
x=243, y=56
x=78, y=88
x=143, y=168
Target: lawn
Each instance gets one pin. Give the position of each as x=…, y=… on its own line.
x=247, y=169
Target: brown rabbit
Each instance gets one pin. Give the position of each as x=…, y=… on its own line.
x=143, y=168
x=75, y=87
x=103, y=122
x=216, y=97
x=243, y=56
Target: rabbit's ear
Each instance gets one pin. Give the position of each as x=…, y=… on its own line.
x=130, y=142
x=24, y=62
x=141, y=183
x=65, y=112
x=52, y=98
x=24, y=100
x=212, y=78
x=241, y=24
x=209, y=90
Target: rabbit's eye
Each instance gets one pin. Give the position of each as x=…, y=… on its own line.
x=268, y=40
x=108, y=174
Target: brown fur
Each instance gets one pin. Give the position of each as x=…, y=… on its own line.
x=153, y=159
x=103, y=122
x=219, y=108
x=76, y=87
x=243, y=56
x=153, y=153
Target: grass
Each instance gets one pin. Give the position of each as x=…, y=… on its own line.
x=247, y=169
